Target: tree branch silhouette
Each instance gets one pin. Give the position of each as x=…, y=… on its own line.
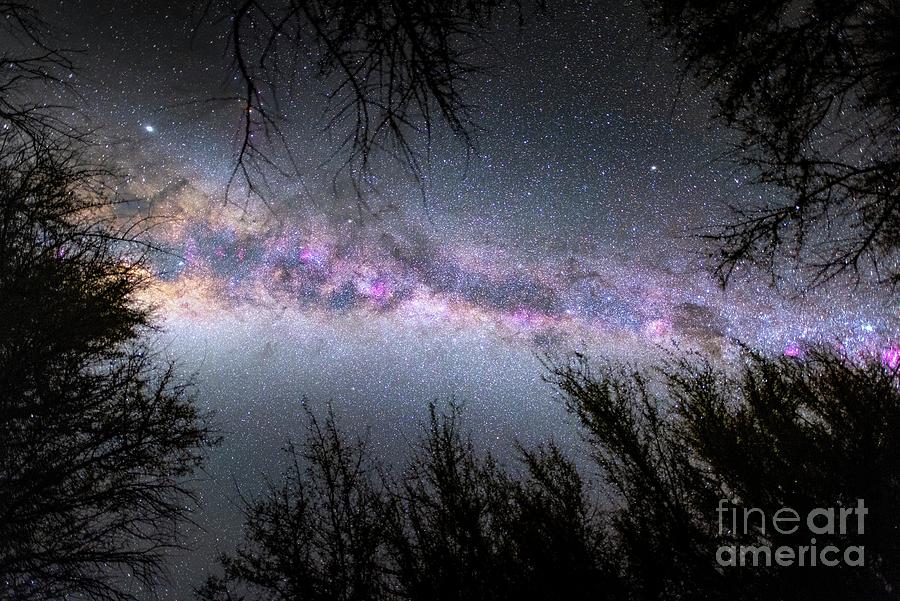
x=812, y=89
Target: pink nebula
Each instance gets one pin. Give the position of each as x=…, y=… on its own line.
x=792, y=350
x=311, y=256
x=890, y=357
x=376, y=289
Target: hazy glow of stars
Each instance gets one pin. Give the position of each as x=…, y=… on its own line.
x=548, y=302
x=569, y=229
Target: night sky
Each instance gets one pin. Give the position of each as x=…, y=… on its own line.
x=569, y=228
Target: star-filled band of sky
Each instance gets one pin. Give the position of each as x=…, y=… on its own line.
x=571, y=227
x=551, y=300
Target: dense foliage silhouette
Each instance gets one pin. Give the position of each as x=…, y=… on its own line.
x=672, y=444
x=452, y=524
x=98, y=436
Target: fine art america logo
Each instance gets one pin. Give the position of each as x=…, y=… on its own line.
x=822, y=521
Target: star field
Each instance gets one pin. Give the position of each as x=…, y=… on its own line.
x=569, y=227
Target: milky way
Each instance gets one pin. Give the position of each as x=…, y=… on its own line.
x=569, y=228
x=551, y=303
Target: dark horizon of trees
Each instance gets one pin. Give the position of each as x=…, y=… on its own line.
x=453, y=523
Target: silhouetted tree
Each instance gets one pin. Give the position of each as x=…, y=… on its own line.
x=98, y=437
x=34, y=68
x=813, y=88
x=455, y=526
x=559, y=536
x=768, y=434
x=319, y=534
x=472, y=530
x=456, y=505
x=675, y=447
x=391, y=68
